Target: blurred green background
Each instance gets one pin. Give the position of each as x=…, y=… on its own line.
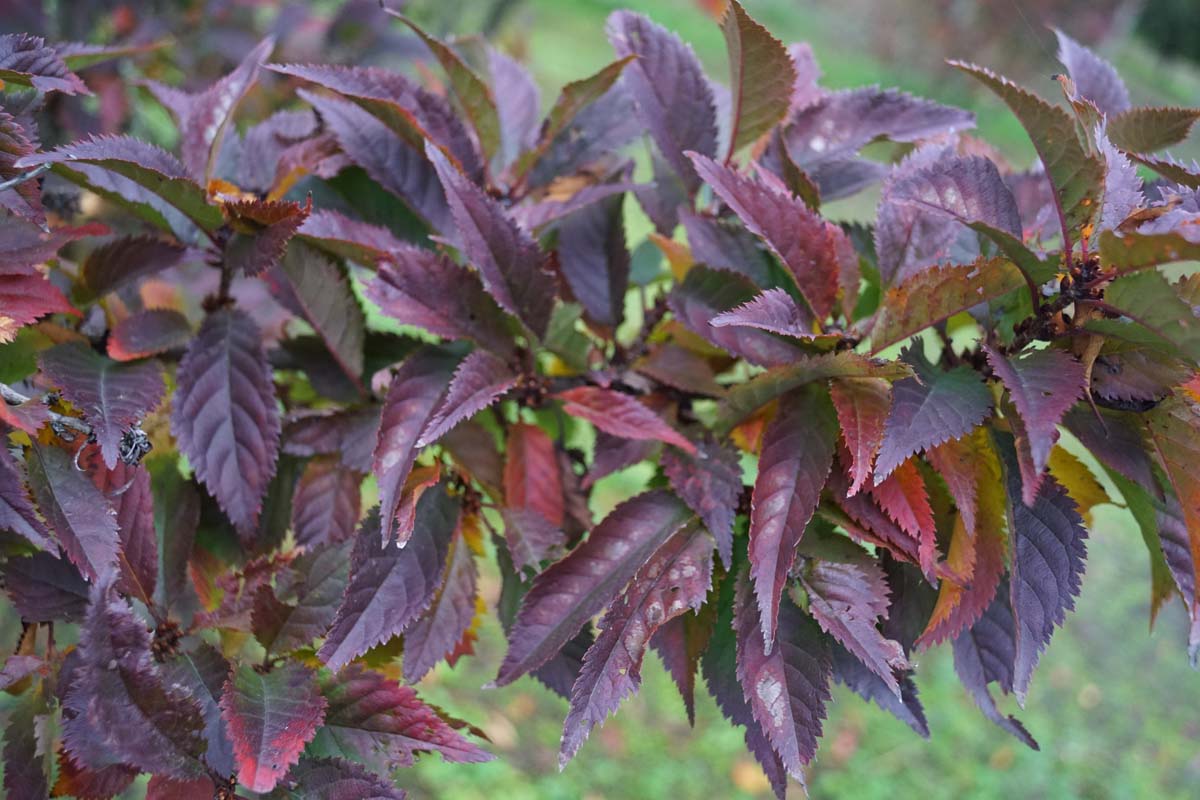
x=1116, y=709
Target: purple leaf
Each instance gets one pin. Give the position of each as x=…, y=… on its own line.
x=349, y=433
x=681, y=368
x=412, y=113
x=436, y=633
x=704, y=294
x=710, y=482
x=722, y=244
x=395, y=164
x=719, y=665
x=390, y=586
x=204, y=116
x=787, y=685
x=336, y=779
x=224, y=415
x=620, y=414
x=773, y=311
x=28, y=61
x=594, y=260
x=479, y=381
x=112, y=396
x=24, y=771
x=148, y=333
x=797, y=454
x=414, y=395
x=862, y=408
x=984, y=654
x=854, y=675
x=531, y=538
x=321, y=291
x=423, y=288
x=928, y=409
x=349, y=238
x=25, y=198
x=44, y=588
x=120, y=701
x=270, y=716
x=518, y=105
x=260, y=231
x=17, y=513
x=203, y=671
x=680, y=642
x=129, y=491
x=1047, y=565
x=151, y=169
x=374, y=719
x=847, y=598
x=1122, y=184
x=668, y=86
x=675, y=579
x=1043, y=384
x=1095, y=79
x=325, y=505
x=839, y=124
x=509, y=261
x=313, y=589
x=571, y=591
x=806, y=244
x=79, y=514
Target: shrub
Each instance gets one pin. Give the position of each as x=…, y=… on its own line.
x=854, y=430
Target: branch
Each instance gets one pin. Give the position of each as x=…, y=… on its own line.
x=15, y=398
x=17, y=180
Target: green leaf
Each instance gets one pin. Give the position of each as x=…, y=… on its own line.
x=1145, y=130
x=1076, y=174
x=1137, y=251
x=1157, y=316
x=761, y=76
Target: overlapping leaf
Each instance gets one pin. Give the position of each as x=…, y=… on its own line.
x=148, y=333
x=797, y=453
x=439, y=630
x=17, y=513
x=478, y=382
x=44, y=588
x=1095, y=79
x=594, y=260
x=710, y=482
x=862, y=406
x=571, y=591
x=80, y=515
x=621, y=415
x=27, y=60
x=390, y=586
x=761, y=76
x=112, y=396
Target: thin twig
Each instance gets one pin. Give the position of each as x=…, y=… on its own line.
x=17, y=180
x=13, y=397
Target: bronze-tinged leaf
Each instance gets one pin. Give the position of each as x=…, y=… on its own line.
x=710, y=482
x=261, y=230
x=436, y=634
x=326, y=502
x=620, y=414
x=532, y=480
x=904, y=498
x=224, y=415
x=148, y=333
x=786, y=679
x=797, y=454
x=1146, y=130
x=271, y=716
x=479, y=381
x=17, y=513
x=761, y=76
x=675, y=579
x=391, y=586
x=112, y=396
x=571, y=591
x=862, y=406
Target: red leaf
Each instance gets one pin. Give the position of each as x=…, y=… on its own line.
x=531, y=477
x=807, y=244
x=390, y=586
x=415, y=392
x=904, y=499
x=224, y=415
x=376, y=720
x=797, y=454
x=25, y=295
x=571, y=591
x=16, y=510
x=675, y=579
x=862, y=408
x=271, y=716
x=621, y=415
x=260, y=232
x=112, y=396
